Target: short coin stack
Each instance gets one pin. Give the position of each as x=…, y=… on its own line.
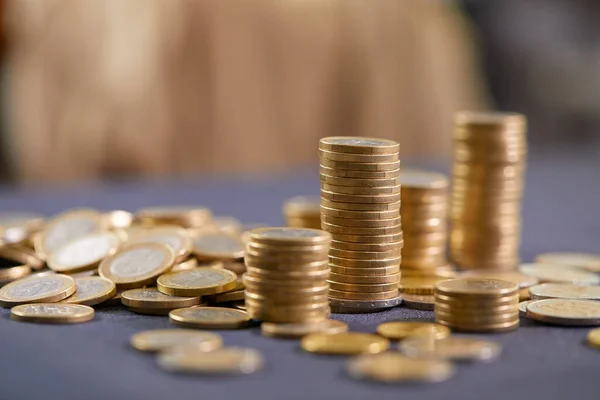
x=302, y=212
x=360, y=207
x=490, y=151
x=477, y=305
x=286, y=277
x=424, y=221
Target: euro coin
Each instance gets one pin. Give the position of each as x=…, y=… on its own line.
x=423, y=285
x=91, y=291
x=165, y=339
x=358, y=183
x=479, y=287
x=399, y=330
x=384, y=295
x=362, y=306
x=51, y=313
x=590, y=262
x=289, y=236
x=362, y=223
x=367, y=246
x=22, y=255
x=327, y=155
x=360, y=166
x=227, y=297
x=344, y=343
x=522, y=280
x=564, y=291
x=565, y=312
x=83, y=253
x=351, y=215
x=365, y=279
x=593, y=338
x=184, y=216
x=353, y=263
x=370, y=239
x=523, y=308
x=353, y=206
x=451, y=348
x=360, y=199
x=209, y=318
x=227, y=224
x=344, y=173
x=10, y=270
x=345, y=230
x=152, y=298
x=358, y=145
x=361, y=191
x=177, y=238
x=197, y=282
x=299, y=330
x=368, y=288
x=225, y=361
x=211, y=246
x=555, y=273
x=419, y=302
x=37, y=289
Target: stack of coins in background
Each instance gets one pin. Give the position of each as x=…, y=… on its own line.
x=477, y=305
x=424, y=221
x=286, y=276
x=490, y=151
x=360, y=208
x=302, y=212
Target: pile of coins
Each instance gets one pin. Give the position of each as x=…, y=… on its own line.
x=360, y=208
x=424, y=221
x=490, y=151
x=302, y=212
x=286, y=275
x=477, y=305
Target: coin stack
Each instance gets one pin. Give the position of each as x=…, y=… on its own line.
x=286, y=277
x=477, y=305
x=490, y=151
x=424, y=221
x=360, y=208
x=302, y=212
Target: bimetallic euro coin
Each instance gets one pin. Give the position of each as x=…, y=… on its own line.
x=152, y=298
x=523, y=308
x=419, y=302
x=197, y=282
x=91, y=290
x=556, y=273
x=52, y=313
x=37, y=289
x=177, y=238
x=83, y=253
x=214, y=245
x=394, y=367
x=165, y=339
x=209, y=318
x=565, y=312
x=590, y=262
x=225, y=361
x=359, y=145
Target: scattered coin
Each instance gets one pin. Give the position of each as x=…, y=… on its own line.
x=197, y=282
x=593, y=338
x=148, y=298
x=451, y=348
x=298, y=330
x=344, y=343
x=556, y=273
x=225, y=361
x=215, y=245
x=91, y=290
x=564, y=291
x=394, y=367
x=399, y=330
x=590, y=262
x=419, y=302
x=11, y=270
x=177, y=238
x=209, y=318
x=17, y=227
x=51, y=313
x=37, y=289
x=565, y=312
x=165, y=339
x=234, y=295
x=362, y=306
x=83, y=253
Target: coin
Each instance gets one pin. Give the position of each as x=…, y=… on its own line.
x=191, y=263
x=354, y=207
x=10, y=270
x=591, y=262
x=197, y=282
x=17, y=226
x=152, y=298
x=83, y=253
x=522, y=280
x=523, y=308
x=367, y=246
x=175, y=237
x=564, y=291
x=421, y=179
x=165, y=339
x=360, y=166
x=362, y=306
x=360, y=190
x=22, y=255
x=559, y=274
x=345, y=230
x=358, y=183
x=365, y=279
x=290, y=236
x=216, y=245
x=565, y=312
x=368, y=199
x=359, y=215
x=479, y=287
x=235, y=295
x=394, y=367
x=209, y=318
x=298, y=330
x=50, y=313
x=419, y=302
x=117, y=219
x=344, y=343
x=593, y=338
x=37, y=289
x=184, y=216
x=358, y=145
x=399, y=330
x=384, y=295
x=343, y=173
x=369, y=239
x=137, y=265
x=423, y=285
x=225, y=361
x=450, y=348
x=91, y=290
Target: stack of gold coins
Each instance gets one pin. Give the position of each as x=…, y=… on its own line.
x=424, y=220
x=490, y=151
x=286, y=276
x=360, y=207
x=302, y=212
x=477, y=305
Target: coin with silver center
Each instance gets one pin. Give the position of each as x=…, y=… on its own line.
x=225, y=361
x=83, y=253
x=565, y=312
x=209, y=318
x=523, y=308
x=165, y=339
x=451, y=348
x=152, y=298
x=51, y=313
x=564, y=291
x=197, y=282
x=175, y=237
x=37, y=289
x=92, y=290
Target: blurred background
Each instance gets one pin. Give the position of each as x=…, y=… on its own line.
x=152, y=88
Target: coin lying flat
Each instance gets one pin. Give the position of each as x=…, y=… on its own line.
x=215, y=245
x=362, y=306
x=556, y=273
x=451, y=348
x=394, y=367
x=152, y=298
x=419, y=302
x=473, y=286
x=522, y=280
x=399, y=330
x=52, y=313
x=184, y=216
x=83, y=253
x=136, y=265
x=165, y=339
x=37, y=289
x=564, y=291
x=225, y=361
x=91, y=290
x=234, y=295
x=344, y=343
x=298, y=330
x=209, y=318
x=175, y=237
x=593, y=338
x=591, y=262
x=197, y=282
x=423, y=285
x=565, y=312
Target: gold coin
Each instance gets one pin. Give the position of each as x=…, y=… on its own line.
x=362, y=306
x=565, y=312
x=474, y=311
x=365, y=255
x=360, y=166
x=175, y=237
x=478, y=287
x=283, y=251
x=419, y=284
x=10, y=270
x=273, y=259
x=225, y=361
x=327, y=155
x=564, y=291
x=358, y=145
x=476, y=301
x=91, y=290
x=234, y=295
x=209, y=318
x=352, y=206
x=214, y=245
x=419, y=302
x=593, y=338
x=342, y=173
x=362, y=191
x=369, y=239
x=50, y=313
x=83, y=253
x=556, y=273
x=311, y=275
x=352, y=263
x=191, y=263
x=394, y=367
x=399, y=330
x=365, y=279
x=480, y=318
x=346, y=230
x=451, y=348
x=523, y=308
x=298, y=330
x=358, y=183
x=386, y=199
x=522, y=280
x=383, y=271
x=117, y=219
x=481, y=328
x=365, y=246
x=344, y=343
x=184, y=216
x=37, y=289
x=359, y=215
x=338, y=294
x=227, y=224
x=368, y=288
x=289, y=236
x=152, y=298
x=197, y=282
x=166, y=339
x=590, y=262
x=22, y=255
x=306, y=299
x=137, y=265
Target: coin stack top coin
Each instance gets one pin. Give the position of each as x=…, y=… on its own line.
x=490, y=151
x=424, y=220
x=477, y=305
x=302, y=212
x=360, y=208
x=286, y=277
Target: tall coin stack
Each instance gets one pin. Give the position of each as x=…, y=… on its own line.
x=360, y=208
x=490, y=151
x=424, y=221
x=286, y=275
x=477, y=305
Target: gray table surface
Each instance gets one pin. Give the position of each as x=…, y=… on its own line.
x=94, y=361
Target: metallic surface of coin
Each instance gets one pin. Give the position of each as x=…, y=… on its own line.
x=523, y=308
x=37, y=289
x=91, y=290
x=209, y=318
x=394, y=367
x=225, y=361
x=556, y=273
x=165, y=339
x=564, y=291
x=51, y=313
x=84, y=252
x=451, y=348
x=65, y=227
x=565, y=312
x=298, y=330
x=472, y=286
x=593, y=338
x=197, y=282
x=344, y=343
x=215, y=245
x=152, y=298
x=399, y=330
x=591, y=262
x=177, y=238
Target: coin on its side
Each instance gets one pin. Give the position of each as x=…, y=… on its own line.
x=564, y=291
x=136, y=265
x=197, y=282
x=165, y=339
x=344, y=343
x=565, y=312
x=556, y=273
x=298, y=330
x=214, y=245
x=152, y=298
x=52, y=313
x=523, y=308
x=10, y=270
x=209, y=318
x=37, y=289
x=591, y=262
x=394, y=367
x=399, y=330
x=91, y=290
x=83, y=253
x=593, y=338
x=225, y=361
x=451, y=348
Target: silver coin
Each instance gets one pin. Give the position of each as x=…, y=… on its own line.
x=565, y=312
x=137, y=261
x=37, y=289
x=68, y=226
x=564, y=291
